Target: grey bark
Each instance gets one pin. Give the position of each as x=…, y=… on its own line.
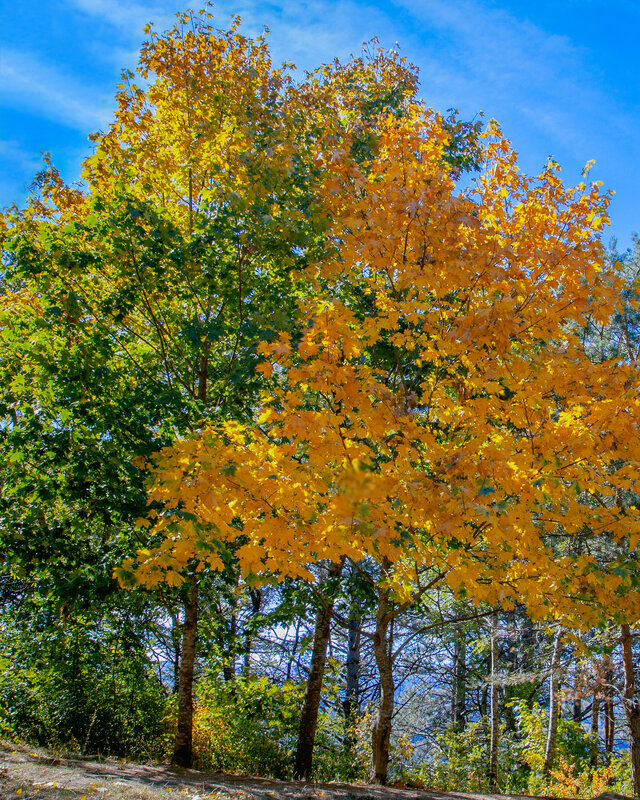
x=255, y=595
x=554, y=694
x=459, y=693
x=351, y=704
x=609, y=718
x=577, y=696
x=595, y=728
x=229, y=653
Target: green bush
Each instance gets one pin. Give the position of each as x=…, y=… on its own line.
x=248, y=726
x=81, y=685
x=459, y=760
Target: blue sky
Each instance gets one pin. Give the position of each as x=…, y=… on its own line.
x=560, y=76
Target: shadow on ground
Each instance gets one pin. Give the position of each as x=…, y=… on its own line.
x=25, y=774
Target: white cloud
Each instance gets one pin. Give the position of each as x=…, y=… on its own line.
x=312, y=32
x=18, y=167
x=31, y=85
x=308, y=32
x=485, y=57
x=129, y=18
x=11, y=151
x=472, y=55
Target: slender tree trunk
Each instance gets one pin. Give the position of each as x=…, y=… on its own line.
x=577, y=697
x=459, y=693
x=182, y=749
x=351, y=704
x=609, y=718
x=528, y=640
x=554, y=697
x=595, y=729
x=229, y=657
x=494, y=726
x=631, y=707
x=527, y=645
x=255, y=595
x=577, y=709
x=311, y=706
x=512, y=667
x=176, y=640
x=381, y=734
x=484, y=704
x=510, y=719
x=293, y=652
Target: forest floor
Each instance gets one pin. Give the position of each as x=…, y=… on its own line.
x=39, y=775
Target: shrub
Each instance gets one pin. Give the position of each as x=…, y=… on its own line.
x=248, y=726
x=79, y=685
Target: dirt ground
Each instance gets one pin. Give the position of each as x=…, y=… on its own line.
x=38, y=775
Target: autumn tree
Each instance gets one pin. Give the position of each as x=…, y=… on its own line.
x=619, y=341
x=349, y=360
x=438, y=409
x=182, y=252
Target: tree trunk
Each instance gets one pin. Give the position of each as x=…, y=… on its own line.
x=459, y=693
x=495, y=720
x=631, y=707
x=351, y=704
x=595, y=729
x=484, y=704
x=512, y=667
x=255, y=595
x=609, y=719
x=230, y=647
x=176, y=640
x=381, y=734
x=554, y=696
x=182, y=749
x=577, y=709
x=311, y=706
x=293, y=651
x=577, y=696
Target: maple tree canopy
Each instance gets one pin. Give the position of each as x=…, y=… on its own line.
x=438, y=410
x=421, y=395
